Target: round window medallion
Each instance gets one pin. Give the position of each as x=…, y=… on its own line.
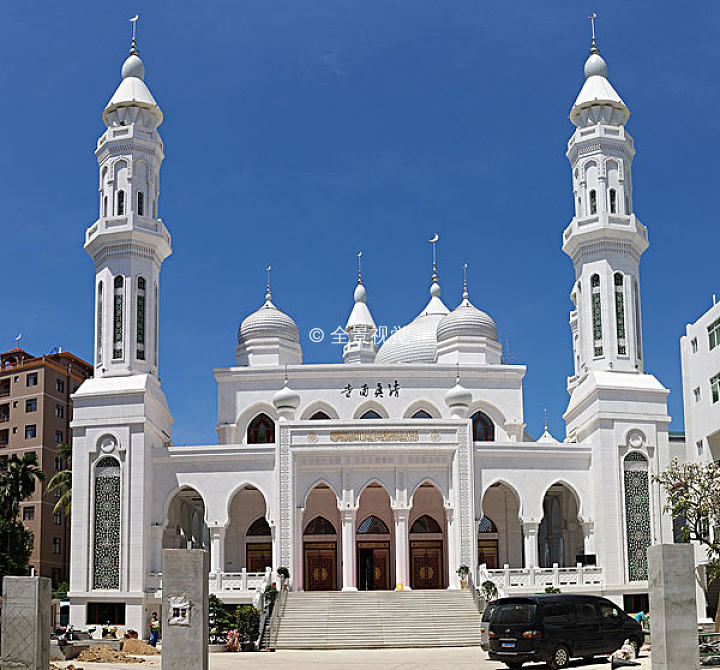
x=636, y=438
x=312, y=438
x=107, y=443
x=435, y=437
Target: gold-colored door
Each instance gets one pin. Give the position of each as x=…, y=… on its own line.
x=320, y=566
x=426, y=564
x=258, y=556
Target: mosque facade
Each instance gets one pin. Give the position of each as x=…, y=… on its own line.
x=392, y=468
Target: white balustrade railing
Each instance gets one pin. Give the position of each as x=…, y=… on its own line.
x=219, y=582
x=508, y=579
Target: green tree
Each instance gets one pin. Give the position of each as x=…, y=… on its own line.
x=61, y=481
x=18, y=477
x=693, y=500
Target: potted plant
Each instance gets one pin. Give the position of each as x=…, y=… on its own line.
x=463, y=571
x=284, y=574
x=488, y=590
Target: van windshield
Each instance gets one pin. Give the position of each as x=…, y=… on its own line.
x=515, y=613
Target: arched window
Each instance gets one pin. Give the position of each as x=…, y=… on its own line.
x=425, y=524
x=487, y=525
x=596, y=316
x=637, y=514
x=320, y=526
x=261, y=430
x=620, y=313
x=119, y=300
x=140, y=317
x=373, y=526
x=106, y=554
x=318, y=416
x=105, y=203
x=579, y=206
x=483, y=427
x=638, y=325
x=259, y=528
x=99, y=330
x=422, y=414
x=121, y=203
x=593, y=202
x=613, y=201
x=141, y=203
x=371, y=414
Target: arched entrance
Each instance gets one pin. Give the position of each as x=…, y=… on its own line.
x=488, y=543
x=373, y=539
x=186, y=527
x=427, y=539
x=248, y=541
x=501, y=504
x=321, y=521
x=560, y=536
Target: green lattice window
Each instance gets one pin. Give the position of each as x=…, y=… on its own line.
x=637, y=515
x=99, y=319
x=106, y=554
x=715, y=387
x=118, y=317
x=620, y=313
x=596, y=316
x=140, y=308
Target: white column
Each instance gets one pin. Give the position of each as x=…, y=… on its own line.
x=451, y=539
x=402, y=547
x=347, y=518
x=217, y=549
x=156, y=536
x=588, y=537
x=297, y=578
x=530, y=541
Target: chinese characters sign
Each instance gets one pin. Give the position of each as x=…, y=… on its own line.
x=378, y=391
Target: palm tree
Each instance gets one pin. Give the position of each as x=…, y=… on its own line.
x=61, y=482
x=17, y=482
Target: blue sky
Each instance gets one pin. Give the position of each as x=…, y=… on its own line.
x=298, y=132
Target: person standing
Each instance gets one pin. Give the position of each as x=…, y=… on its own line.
x=154, y=629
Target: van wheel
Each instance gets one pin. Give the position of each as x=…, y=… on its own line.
x=636, y=646
x=560, y=657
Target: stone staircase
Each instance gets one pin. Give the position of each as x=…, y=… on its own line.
x=371, y=619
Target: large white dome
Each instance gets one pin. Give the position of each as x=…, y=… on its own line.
x=268, y=321
x=416, y=342
x=466, y=320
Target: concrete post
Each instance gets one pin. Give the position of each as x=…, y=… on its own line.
x=25, y=623
x=451, y=539
x=530, y=540
x=347, y=517
x=671, y=581
x=185, y=609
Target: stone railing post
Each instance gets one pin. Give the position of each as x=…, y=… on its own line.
x=556, y=575
x=506, y=575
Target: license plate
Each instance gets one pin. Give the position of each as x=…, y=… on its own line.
x=508, y=645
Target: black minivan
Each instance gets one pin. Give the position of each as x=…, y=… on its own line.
x=557, y=627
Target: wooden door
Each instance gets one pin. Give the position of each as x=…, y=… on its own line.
x=379, y=565
x=426, y=564
x=488, y=553
x=258, y=556
x=320, y=566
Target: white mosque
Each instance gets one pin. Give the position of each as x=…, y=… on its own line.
x=393, y=466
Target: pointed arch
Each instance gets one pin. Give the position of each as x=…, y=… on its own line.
x=320, y=481
x=373, y=525
x=319, y=525
x=423, y=482
x=171, y=497
x=492, y=411
x=422, y=405
x=426, y=524
x=371, y=406
x=319, y=406
x=261, y=430
x=499, y=481
x=374, y=479
x=483, y=427
x=248, y=414
x=570, y=487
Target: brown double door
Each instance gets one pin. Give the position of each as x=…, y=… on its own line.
x=258, y=556
x=426, y=564
x=320, y=566
x=488, y=553
x=373, y=566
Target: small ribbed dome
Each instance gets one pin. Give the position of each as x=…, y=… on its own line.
x=595, y=66
x=268, y=321
x=286, y=398
x=466, y=320
x=133, y=67
x=416, y=342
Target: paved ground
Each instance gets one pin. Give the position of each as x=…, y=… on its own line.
x=385, y=659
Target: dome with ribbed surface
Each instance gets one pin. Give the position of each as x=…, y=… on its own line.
x=268, y=321
x=466, y=320
x=416, y=342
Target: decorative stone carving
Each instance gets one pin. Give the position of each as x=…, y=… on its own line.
x=107, y=444
x=635, y=438
x=178, y=610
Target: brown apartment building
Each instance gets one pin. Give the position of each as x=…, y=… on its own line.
x=35, y=415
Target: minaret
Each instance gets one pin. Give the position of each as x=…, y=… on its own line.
x=604, y=239
x=360, y=327
x=128, y=242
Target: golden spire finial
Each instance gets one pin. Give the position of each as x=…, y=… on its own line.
x=359, y=267
x=433, y=241
x=133, y=45
x=594, y=49
x=465, y=288
x=268, y=294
